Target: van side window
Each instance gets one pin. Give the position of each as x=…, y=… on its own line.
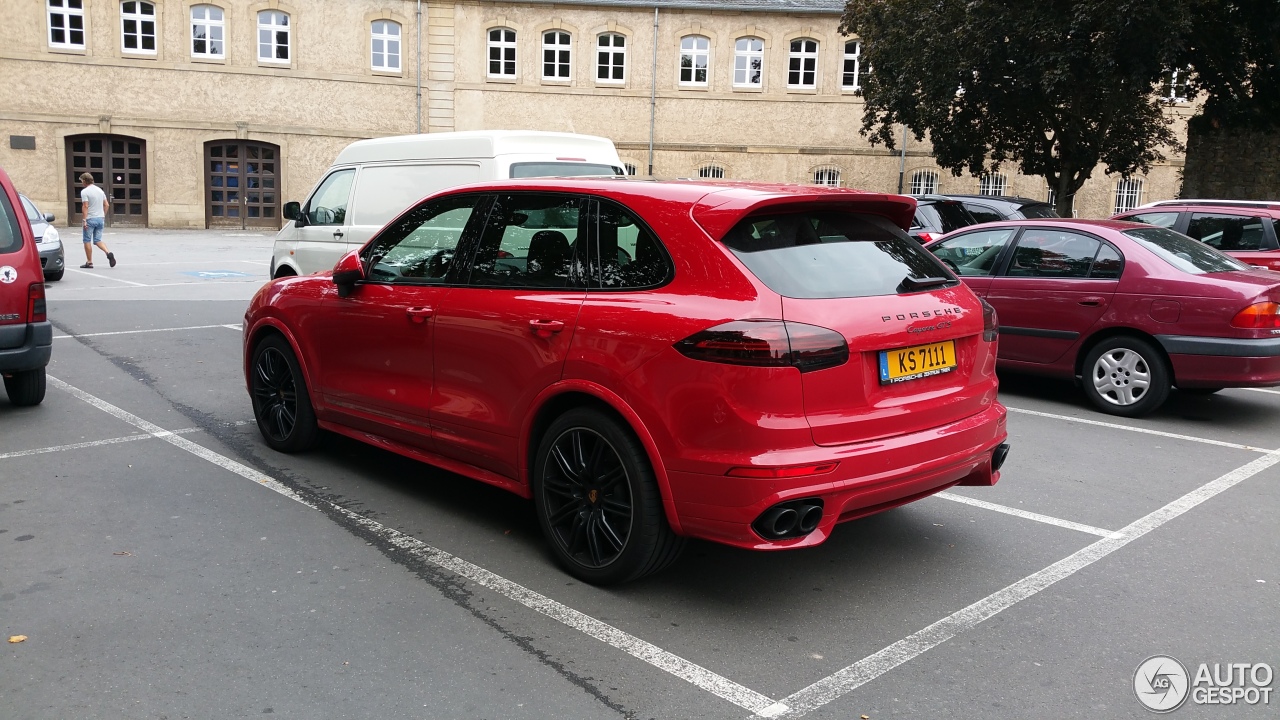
x=529, y=240
x=420, y=246
x=328, y=206
x=625, y=254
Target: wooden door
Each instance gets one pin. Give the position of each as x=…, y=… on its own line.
x=118, y=164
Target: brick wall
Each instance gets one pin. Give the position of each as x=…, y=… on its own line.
x=1232, y=164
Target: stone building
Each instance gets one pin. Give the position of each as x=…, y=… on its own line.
x=212, y=113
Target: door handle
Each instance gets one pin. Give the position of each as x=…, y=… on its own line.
x=545, y=328
x=419, y=314
x=337, y=234
x=1092, y=301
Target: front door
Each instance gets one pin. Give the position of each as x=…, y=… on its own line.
x=1056, y=286
x=118, y=164
x=322, y=227
x=241, y=186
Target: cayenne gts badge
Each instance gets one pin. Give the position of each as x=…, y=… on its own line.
x=8, y=274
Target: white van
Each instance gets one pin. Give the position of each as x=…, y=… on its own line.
x=373, y=181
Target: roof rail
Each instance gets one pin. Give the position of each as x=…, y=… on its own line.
x=1260, y=204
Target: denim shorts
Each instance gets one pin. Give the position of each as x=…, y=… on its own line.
x=93, y=230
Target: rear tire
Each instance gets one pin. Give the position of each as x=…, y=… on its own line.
x=1126, y=376
x=25, y=388
x=281, y=403
x=598, y=502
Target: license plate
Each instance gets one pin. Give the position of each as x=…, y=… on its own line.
x=911, y=363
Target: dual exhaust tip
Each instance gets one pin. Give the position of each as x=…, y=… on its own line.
x=998, y=456
x=794, y=518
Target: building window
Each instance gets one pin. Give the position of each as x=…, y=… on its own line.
x=1173, y=86
x=748, y=62
x=556, y=54
x=695, y=56
x=993, y=184
x=631, y=169
x=502, y=53
x=924, y=182
x=207, y=32
x=714, y=172
x=611, y=58
x=1128, y=194
x=66, y=24
x=803, y=69
x=386, y=45
x=829, y=176
x=273, y=36
x=854, y=71
x=138, y=27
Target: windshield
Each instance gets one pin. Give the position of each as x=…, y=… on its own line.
x=828, y=254
x=945, y=216
x=33, y=215
x=561, y=169
x=1184, y=253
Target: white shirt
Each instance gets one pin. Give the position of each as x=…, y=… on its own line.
x=96, y=198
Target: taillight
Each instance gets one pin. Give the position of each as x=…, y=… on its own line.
x=1263, y=315
x=789, y=471
x=35, y=303
x=924, y=237
x=768, y=343
x=990, y=322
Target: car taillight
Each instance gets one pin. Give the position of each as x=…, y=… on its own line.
x=990, y=322
x=768, y=343
x=1263, y=315
x=35, y=303
x=776, y=473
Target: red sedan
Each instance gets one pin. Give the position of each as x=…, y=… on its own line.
x=647, y=361
x=1130, y=309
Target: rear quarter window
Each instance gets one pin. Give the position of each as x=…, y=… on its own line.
x=1184, y=253
x=10, y=231
x=828, y=254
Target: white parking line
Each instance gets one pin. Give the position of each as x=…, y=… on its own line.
x=237, y=328
x=1261, y=390
x=1025, y=514
x=134, y=332
x=105, y=277
x=690, y=672
x=918, y=643
x=92, y=443
x=64, y=288
x=1130, y=428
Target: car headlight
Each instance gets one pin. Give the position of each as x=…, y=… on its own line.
x=51, y=236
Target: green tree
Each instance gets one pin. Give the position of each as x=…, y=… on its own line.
x=1057, y=87
x=1233, y=51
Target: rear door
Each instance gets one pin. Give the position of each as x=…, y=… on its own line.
x=1055, y=286
x=321, y=235
x=983, y=213
x=1250, y=238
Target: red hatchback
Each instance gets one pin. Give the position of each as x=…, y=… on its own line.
x=26, y=337
x=1244, y=230
x=1129, y=308
x=647, y=361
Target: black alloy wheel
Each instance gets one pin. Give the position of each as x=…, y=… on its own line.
x=280, y=401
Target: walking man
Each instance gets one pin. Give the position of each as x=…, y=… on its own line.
x=94, y=207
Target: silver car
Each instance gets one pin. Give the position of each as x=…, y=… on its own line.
x=47, y=240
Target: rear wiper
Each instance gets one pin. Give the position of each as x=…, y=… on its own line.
x=911, y=284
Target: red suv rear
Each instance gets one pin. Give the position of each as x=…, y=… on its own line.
x=1248, y=231
x=26, y=337
x=646, y=361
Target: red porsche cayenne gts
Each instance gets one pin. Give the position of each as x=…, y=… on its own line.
x=646, y=361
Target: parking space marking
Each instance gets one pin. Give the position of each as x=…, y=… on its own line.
x=718, y=685
x=133, y=332
x=237, y=328
x=873, y=666
x=1130, y=428
x=106, y=277
x=1261, y=390
x=205, y=283
x=92, y=443
x=1025, y=514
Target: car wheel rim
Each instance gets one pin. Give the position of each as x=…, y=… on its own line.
x=276, y=394
x=1122, y=377
x=587, y=495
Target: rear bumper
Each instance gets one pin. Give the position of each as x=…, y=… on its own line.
x=1223, y=362
x=25, y=347
x=871, y=477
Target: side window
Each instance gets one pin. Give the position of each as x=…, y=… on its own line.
x=625, y=253
x=974, y=253
x=529, y=241
x=1053, y=254
x=421, y=245
x=1159, y=219
x=1227, y=232
x=983, y=213
x=329, y=205
x=1107, y=265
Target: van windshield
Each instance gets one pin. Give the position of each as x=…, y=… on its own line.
x=561, y=169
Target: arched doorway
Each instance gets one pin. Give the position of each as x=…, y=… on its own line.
x=241, y=188
x=118, y=164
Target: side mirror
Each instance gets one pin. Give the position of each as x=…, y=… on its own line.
x=48, y=217
x=348, y=272
x=292, y=210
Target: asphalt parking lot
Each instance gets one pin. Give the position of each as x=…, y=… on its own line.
x=164, y=563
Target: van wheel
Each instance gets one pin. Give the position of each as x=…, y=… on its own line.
x=25, y=388
x=281, y=404
x=285, y=271
x=1126, y=376
x=598, y=502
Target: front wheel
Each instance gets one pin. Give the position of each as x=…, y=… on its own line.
x=25, y=388
x=598, y=502
x=281, y=403
x=1126, y=376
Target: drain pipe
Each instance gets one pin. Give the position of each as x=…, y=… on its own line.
x=653, y=88
x=417, y=25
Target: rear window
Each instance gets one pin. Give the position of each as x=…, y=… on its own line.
x=825, y=254
x=1184, y=253
x=1038, y=211
x=561, y=169
x=945, y=216
x=10, y=232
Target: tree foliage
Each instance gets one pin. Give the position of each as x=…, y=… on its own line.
x=1233, y=51
x=1057, y=87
